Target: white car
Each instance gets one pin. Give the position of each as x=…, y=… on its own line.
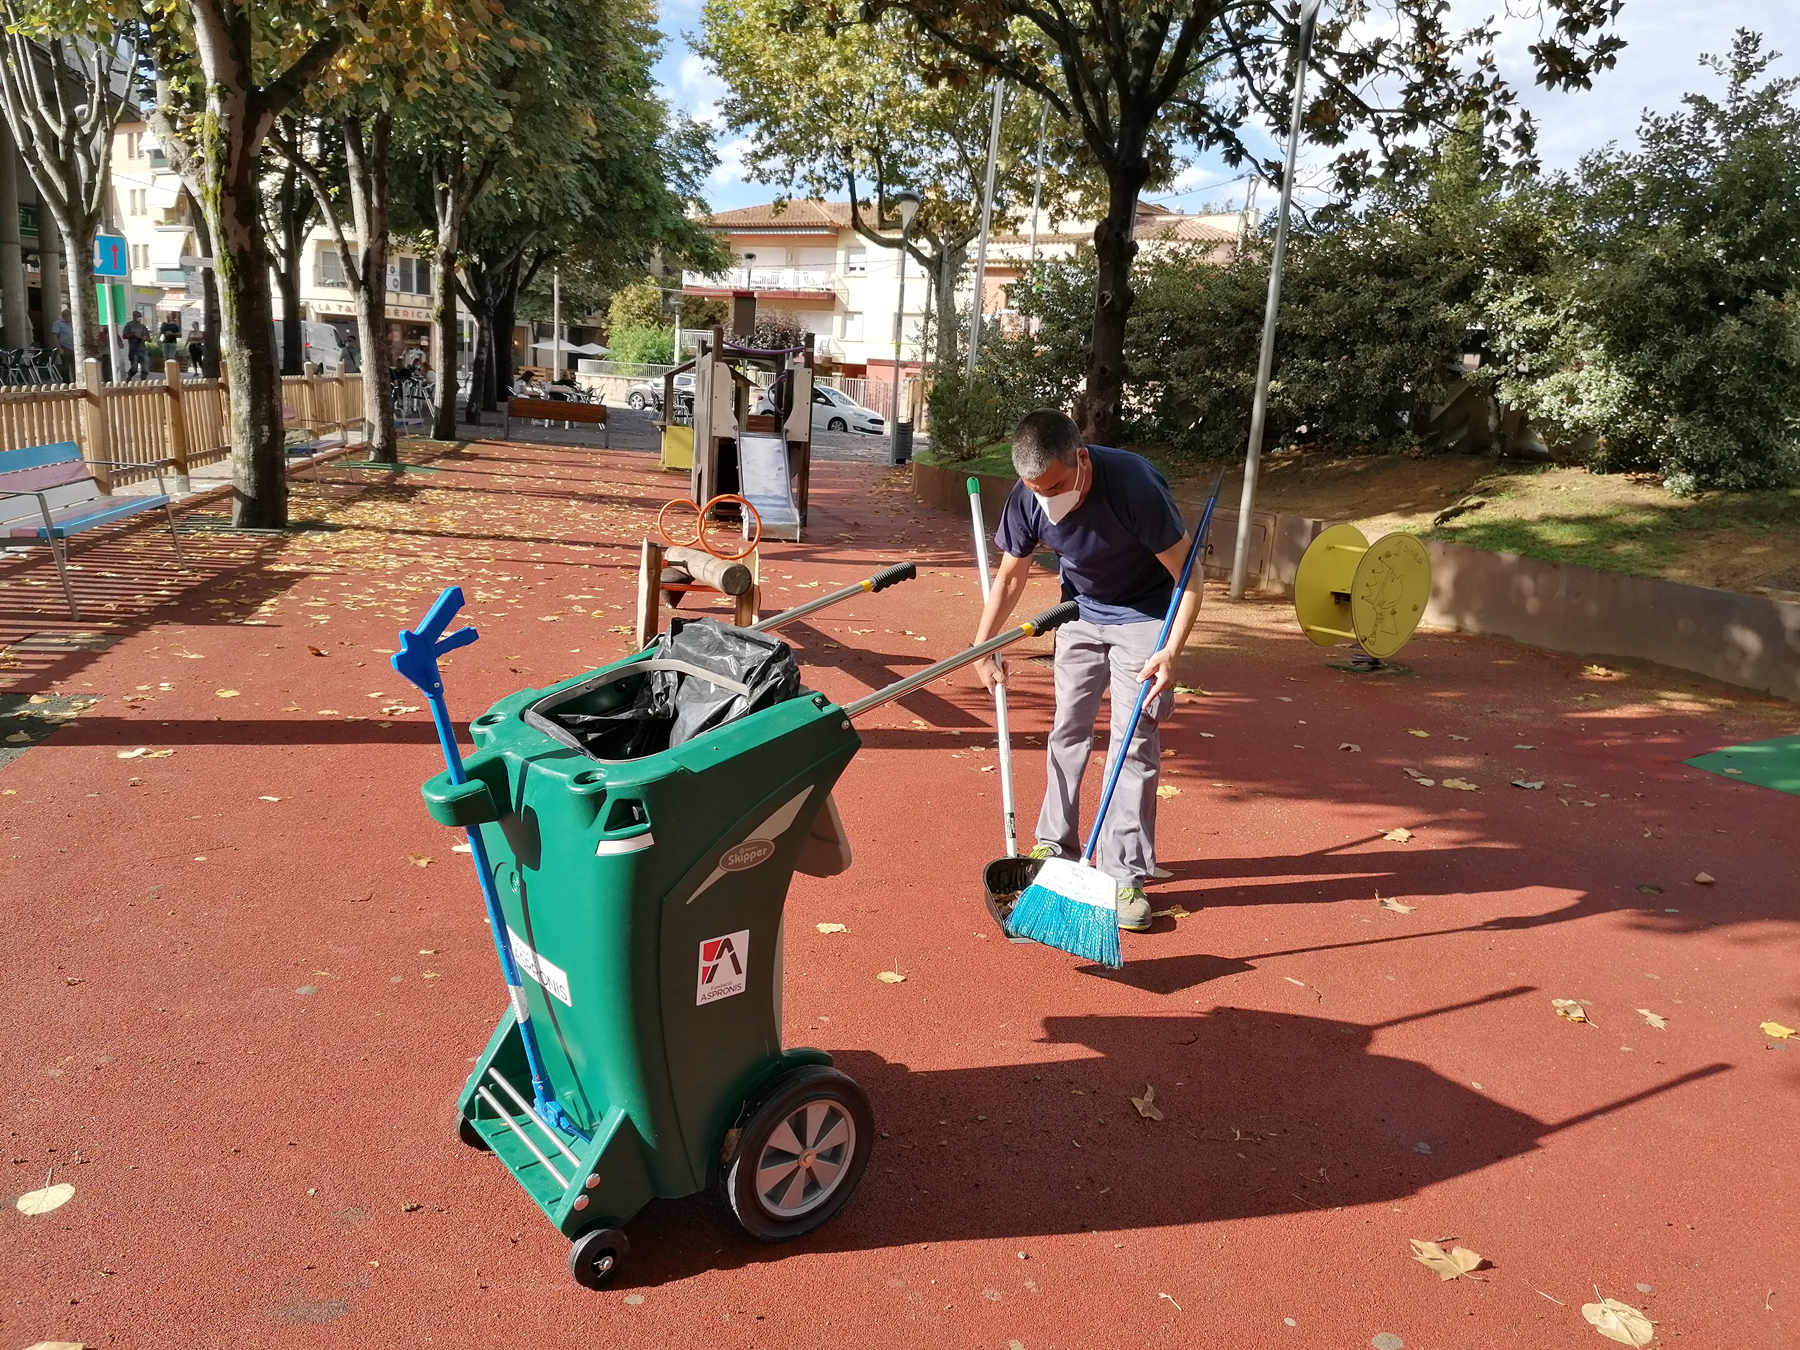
x=837, y=411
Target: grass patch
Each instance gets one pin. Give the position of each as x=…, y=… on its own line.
x=994, y=460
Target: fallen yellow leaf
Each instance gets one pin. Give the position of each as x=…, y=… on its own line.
x=1172, y=912
x=1166, y=791
x=1461, y=785
x=1397, y=836
x=43, y=1201
x=1146, y=1104
x=1778, y=1032
x=1352, y=747
x=1654, y=1019
x=1702, y=879
x=1394, y=905
x=226, y=693
x=833, y=928
x=1411, y=732
x=891, y=977
x=419, y=860
x=1571, y=1009
x=1449, y=1265
x=1619, y=1322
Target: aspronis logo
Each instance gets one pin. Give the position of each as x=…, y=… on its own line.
x=724, y=967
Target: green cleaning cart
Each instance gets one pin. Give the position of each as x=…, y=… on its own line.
x=640, y=825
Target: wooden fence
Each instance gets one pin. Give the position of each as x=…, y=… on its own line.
x=148, y=421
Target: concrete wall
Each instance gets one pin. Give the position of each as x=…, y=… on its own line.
x=1745, y=640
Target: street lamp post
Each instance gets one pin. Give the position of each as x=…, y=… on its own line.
x=906, y=202
x=1240, y=554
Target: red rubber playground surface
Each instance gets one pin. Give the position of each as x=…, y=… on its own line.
x=243, y=980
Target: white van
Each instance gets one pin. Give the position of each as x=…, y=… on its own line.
x=321, y=346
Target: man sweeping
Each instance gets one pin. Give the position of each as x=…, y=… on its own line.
x=1111, y=519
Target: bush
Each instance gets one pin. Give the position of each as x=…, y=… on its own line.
x=644, y=346
x=968, y=415
x=636, y=306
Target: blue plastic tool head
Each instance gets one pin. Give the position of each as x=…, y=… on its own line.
x=420, y=649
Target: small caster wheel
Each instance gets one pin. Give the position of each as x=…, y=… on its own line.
x=800, y=1155
x=466, y=1131
x=596, y=1254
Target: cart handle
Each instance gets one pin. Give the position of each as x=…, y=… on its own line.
x=887, y=576
x=1052, y=618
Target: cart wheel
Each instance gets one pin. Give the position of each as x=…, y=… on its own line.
x=800, y=1155
x=466, y=1131
x=595, y=1255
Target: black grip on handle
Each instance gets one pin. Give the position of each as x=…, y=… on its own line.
x=1054, y=617
x=887, y=576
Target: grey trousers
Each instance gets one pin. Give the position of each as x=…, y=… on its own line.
x=1092, y=658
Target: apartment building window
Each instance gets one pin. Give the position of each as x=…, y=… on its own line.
x=137, y=200
x=331, y=268
x=856, y=264
x=421, y=277
x=134, y=145
x=140, y=256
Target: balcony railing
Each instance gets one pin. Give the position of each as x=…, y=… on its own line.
x=767, y=279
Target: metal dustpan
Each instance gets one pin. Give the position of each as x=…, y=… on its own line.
x=1003, y=879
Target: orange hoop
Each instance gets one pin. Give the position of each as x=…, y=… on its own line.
x=699, y=524
x=755, y=539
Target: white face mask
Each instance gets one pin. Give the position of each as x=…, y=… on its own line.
x=1063, y=502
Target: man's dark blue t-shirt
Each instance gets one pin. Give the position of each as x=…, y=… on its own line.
x=1108, y=544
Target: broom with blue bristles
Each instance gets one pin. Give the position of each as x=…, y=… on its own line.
x=1074, y=906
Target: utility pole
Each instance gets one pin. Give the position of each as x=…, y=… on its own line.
x=987, y=215
x=1259, y=409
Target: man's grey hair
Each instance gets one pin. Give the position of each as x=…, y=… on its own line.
x=1044, y=437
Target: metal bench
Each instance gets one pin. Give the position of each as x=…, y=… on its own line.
x=558, y=410
x=48, y=494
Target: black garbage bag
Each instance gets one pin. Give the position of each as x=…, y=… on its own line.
x=699, y=675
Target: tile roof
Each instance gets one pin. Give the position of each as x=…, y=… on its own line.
x=795, y=214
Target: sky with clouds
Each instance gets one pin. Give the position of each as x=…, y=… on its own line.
x=1664, y=41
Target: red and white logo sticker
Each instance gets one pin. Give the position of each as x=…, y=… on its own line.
x=724, y=967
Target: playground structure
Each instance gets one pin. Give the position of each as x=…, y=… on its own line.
x=731, y=450
x=1349, y=590
x=669, y=569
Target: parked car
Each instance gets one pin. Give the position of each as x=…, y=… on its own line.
x=648, y=394
x=836, y=409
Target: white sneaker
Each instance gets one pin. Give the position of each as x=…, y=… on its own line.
x=1161, y=873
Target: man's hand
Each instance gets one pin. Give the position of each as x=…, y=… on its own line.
x=1160, y=668
x=991, y=670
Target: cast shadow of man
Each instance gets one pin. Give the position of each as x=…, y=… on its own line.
x=1264, y=1113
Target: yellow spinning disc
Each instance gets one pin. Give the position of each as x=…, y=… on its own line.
x=1322, y=584
x=1388, y=593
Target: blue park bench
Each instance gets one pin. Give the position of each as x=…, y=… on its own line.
x=47, y=494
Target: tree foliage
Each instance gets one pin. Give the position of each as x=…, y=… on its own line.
x=840, y=109
x=1667, y=331
x=1140, y=82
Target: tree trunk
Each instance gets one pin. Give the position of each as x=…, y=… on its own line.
x=450, y=202
x=293, y=339
x=1097, y=406
x=258, y=452
x=478, y=366
x=949, y=331
x=506, y=319
x=78, y=265
x=209, y=299
x=367, y=164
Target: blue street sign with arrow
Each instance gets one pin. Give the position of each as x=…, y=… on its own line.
x=111, y=257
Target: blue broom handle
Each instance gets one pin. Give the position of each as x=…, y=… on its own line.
x=1168, y=625
x=417, y=660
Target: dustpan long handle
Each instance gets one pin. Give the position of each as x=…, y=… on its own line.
x=1002, y=731
x=880, y=581
x=1120, y=750
x=1052, y=618
x=417, y=661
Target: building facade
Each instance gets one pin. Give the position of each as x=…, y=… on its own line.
x=806, y=259
x=154, y=211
